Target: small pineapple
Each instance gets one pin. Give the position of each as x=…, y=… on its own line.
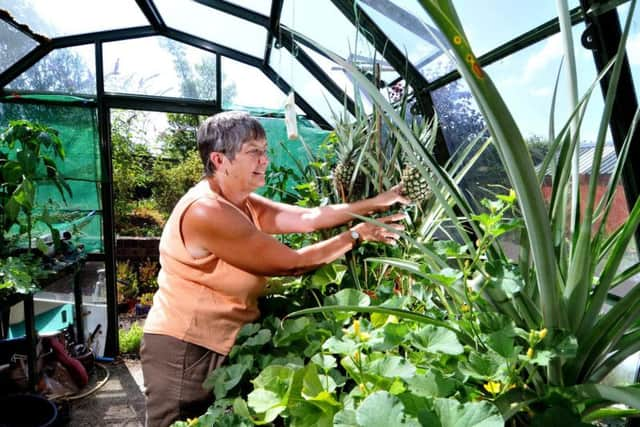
x=342, y=175
x=414, y=186
x=351, y=140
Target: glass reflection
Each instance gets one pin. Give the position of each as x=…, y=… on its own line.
x=177, y=70
x=69, y=71
x=13, y=45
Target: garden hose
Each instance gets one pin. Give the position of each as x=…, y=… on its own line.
x=95, y=388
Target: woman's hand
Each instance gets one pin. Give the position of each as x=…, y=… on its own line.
x=391, y=197
x=371, y=232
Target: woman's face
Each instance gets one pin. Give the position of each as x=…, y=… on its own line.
x=249, y=165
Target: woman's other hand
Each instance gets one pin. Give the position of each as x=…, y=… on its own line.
x=370, y=232
x=391, y=197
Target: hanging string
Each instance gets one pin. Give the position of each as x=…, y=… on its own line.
x=290, y=118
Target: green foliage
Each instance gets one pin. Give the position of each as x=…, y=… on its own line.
x=127, y=281
x=27, y=158
x=131, y=161
x=19, y=274
x=29, y=153
x=129, y=340
x=179, y=141
x=171, y=180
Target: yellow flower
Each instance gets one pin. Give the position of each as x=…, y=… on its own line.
x=191, y=422
x=363, y=336
x=530, y=353
x=356, y=327
x=493, y=387
x=356, y=356
x=542, y=333
x=362, y=387
x=465, y=308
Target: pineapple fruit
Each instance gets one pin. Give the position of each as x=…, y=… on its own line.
x=414, y=185
x=342, y=175
x=352, y=138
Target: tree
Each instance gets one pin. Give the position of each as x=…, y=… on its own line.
x=198, y=82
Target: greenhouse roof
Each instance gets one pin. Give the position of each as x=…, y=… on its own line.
x=153, y=48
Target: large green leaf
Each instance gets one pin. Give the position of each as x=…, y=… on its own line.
x=434, y=339
x=348, y=296
x=382, y=409
x=392, y=367
x=431, y=384
x=471, y=414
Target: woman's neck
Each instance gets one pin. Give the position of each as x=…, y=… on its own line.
x=226, y=190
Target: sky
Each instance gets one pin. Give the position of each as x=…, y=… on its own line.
x=525, y=79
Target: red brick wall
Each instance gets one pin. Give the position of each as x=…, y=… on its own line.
x=619, y=212
x=137, y=248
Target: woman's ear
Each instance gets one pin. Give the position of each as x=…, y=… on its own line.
x=216, y=158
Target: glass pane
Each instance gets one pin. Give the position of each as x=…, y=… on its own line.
x=304, y=83
x=260, y=6
x=633, y=44
x=67, y=17
x=13, y=45
x=506, y=20
x=177, y=70
x=213, y=25
x=411, y=30
x=526, y=80
x=461, y=121
x=312, y=18
x=245, y=86
x=70, y=71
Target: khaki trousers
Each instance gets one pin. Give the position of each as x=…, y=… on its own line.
x=173, y=372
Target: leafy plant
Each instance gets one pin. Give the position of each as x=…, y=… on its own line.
x=148, y=275
x=19, y=274
x=130, y=339
x=560, y=259
x=127, y=281
x=561, y=281
x=147, y=298
x=28, y=157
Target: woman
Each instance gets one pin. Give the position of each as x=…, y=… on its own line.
x=215, y=251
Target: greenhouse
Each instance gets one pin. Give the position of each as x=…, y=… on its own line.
x=319, y=213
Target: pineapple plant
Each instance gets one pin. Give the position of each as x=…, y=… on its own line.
x=349, y=179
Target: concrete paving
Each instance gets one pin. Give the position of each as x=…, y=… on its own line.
x=117, y=403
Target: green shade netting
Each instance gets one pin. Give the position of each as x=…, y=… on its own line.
x=76, y=121
x=81, y=213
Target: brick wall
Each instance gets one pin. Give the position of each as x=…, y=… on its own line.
x=137, y=248
x=619, y=212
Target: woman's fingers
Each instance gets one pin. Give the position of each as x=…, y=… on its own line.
x=393, y=218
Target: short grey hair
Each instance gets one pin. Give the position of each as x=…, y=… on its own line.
x=225, y=133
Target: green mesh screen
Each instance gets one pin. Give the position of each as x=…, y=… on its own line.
x=81, y=215
x=291, y=153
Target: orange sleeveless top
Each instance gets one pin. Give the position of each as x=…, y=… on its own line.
x=204, y=301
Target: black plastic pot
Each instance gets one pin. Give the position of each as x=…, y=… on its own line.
x=27, y=410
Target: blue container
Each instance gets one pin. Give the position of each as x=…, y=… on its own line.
x=27, y=410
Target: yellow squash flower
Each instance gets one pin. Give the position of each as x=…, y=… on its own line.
x=493, y=387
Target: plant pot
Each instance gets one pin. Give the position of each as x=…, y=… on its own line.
x=142, y=309
x=27, y=410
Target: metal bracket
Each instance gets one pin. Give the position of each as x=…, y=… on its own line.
x=587, y=38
